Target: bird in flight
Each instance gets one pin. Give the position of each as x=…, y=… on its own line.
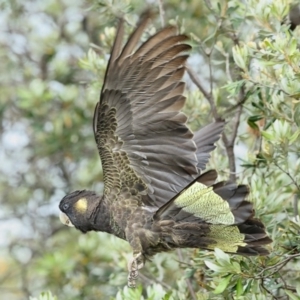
x=155, y=194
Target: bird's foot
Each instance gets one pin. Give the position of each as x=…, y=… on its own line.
x=134, y=264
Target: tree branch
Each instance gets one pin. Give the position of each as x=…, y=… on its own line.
x=209, y=97
x=228, y=142
x=187, y=280
x=278, y=266
x=161, y=12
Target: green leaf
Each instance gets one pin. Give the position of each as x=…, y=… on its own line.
x=236, y=267
x=221, y=256
x=244, y=265
x=189, y=272
x=234, y=87
x=223, y=284
x=294, y=136
x=255, y=118
x=239, y=288
x=211, y=36
x=167, y=296
x=232, y=9
x=213, y=266
x=297, y=115
x=238, y=57
x=248, y=286
x=44, y=296
x=252, y=124
x=291, y=295
x=268, y=136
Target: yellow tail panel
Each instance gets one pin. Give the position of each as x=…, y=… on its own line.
x=202, y=202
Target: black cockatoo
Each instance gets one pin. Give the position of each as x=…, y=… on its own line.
x=155, y=196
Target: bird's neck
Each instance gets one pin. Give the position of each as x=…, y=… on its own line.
x=101, y=215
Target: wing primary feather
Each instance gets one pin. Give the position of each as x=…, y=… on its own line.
x=115, y=52
x=165, y=45
x=117, y=46
x=155, y=39
x=95, y=121
x=136, y=35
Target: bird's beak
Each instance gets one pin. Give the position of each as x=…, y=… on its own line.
x=65, y=220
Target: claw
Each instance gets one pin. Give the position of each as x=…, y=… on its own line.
x=134, y=264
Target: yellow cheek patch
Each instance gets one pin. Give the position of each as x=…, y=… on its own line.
x=81, y=205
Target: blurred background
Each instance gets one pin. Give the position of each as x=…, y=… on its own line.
x=244, y=68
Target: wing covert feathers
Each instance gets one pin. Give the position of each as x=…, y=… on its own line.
x=141, y=134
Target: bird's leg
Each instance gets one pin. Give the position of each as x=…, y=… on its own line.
x=137, y=260
x=140, y=239
x=134, y=264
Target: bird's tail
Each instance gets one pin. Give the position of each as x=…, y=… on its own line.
x=207, y=215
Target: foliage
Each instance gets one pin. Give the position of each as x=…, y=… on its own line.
x=244, y=68
x=44, y=296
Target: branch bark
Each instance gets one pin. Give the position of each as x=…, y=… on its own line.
x=161, y=12
x=228, y=141
x=187, y=280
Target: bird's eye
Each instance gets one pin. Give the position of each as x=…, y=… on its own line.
x=65, y=206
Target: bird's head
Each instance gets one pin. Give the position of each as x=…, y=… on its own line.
x=77, y=209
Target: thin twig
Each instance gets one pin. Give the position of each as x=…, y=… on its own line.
x=227, y=67
x=154, y=280
x=237, y=119
x=280, y=265
x=266, y=289
x=205, y=93
x=295, y=205
x=208, y=4
x=229, y=143
x=235, y=106
x=289, y=175
x=161, y=12
x=295, y=200
x=187, y=280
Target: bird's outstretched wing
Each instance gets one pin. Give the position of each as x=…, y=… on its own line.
x=142, y=137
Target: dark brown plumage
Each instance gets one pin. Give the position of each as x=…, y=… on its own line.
x=294, y=16
x=154, y=196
